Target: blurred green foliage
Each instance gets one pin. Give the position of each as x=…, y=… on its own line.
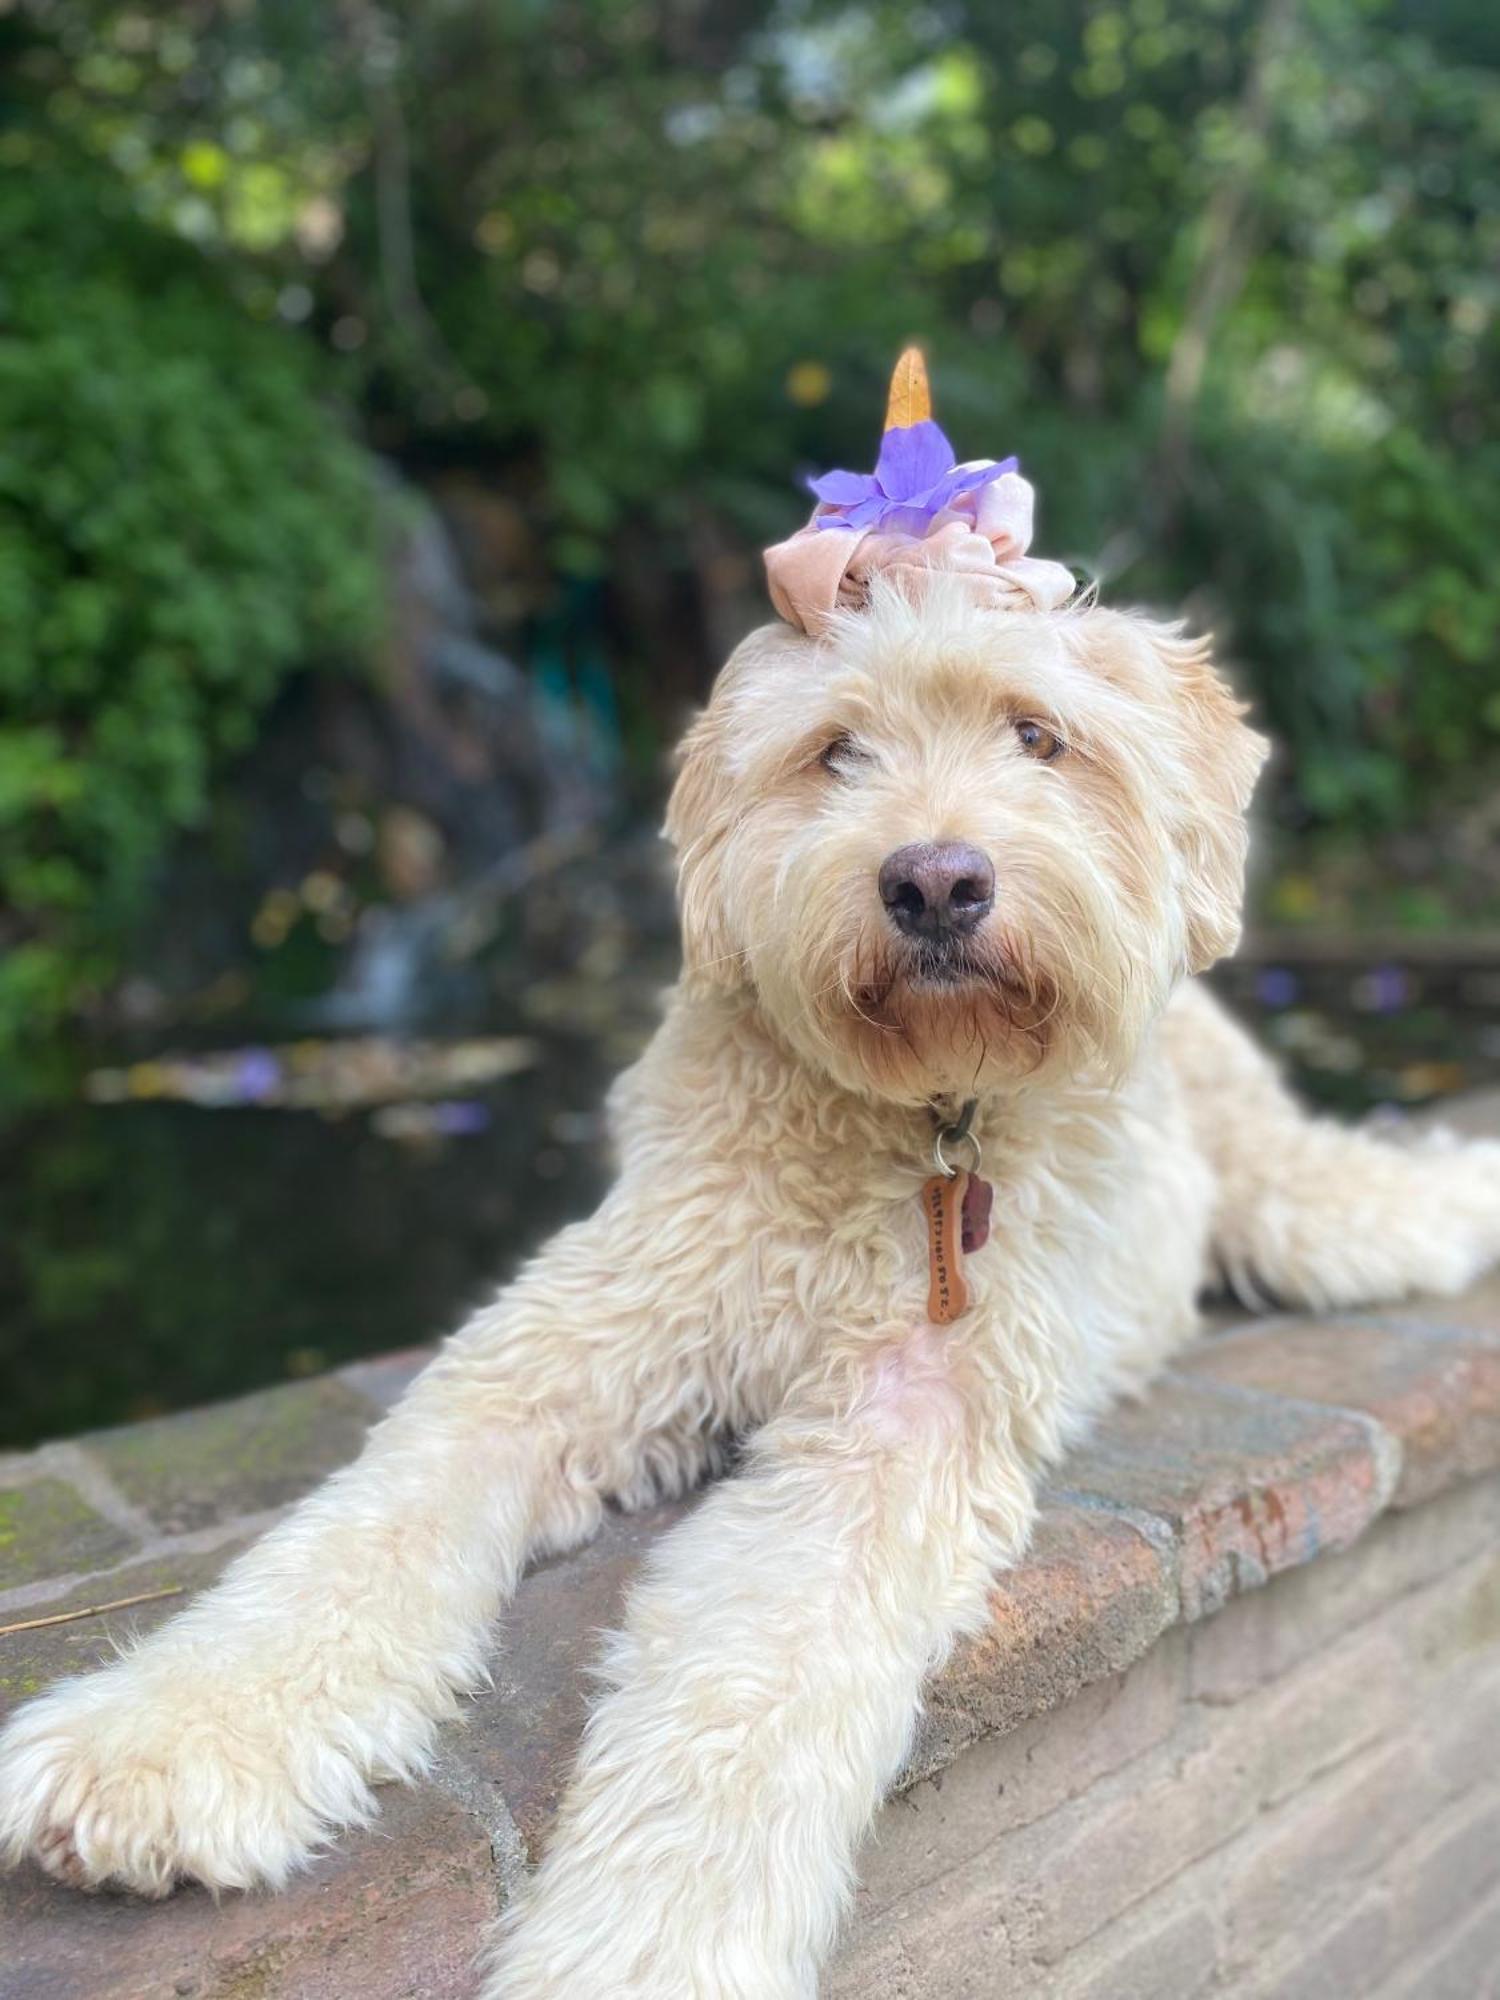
x=181, y=526
x=1226, y=273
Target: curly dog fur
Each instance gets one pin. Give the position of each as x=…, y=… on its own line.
x=758, y=1272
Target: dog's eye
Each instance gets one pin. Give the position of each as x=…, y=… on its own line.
x=842, y=755
x=1038, y=741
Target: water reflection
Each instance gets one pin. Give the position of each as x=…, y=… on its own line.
x=156, y=1254
x=1387, y=1033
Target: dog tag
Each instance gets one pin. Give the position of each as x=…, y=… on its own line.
x=957, y=1208
x=943, y=1205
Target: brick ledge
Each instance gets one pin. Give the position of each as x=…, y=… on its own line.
x=1273, y=1442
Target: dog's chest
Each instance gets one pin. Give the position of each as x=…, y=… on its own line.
x=805, y=1215
x=854, y=1236
x=1092, y=1256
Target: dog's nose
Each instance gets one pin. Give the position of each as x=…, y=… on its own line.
x=936, y=889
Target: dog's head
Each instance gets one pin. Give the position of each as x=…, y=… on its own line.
x=948, y=848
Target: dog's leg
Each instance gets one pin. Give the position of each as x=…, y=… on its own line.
x=233, y=1741
x=764, y=1690
x=1313, y=1213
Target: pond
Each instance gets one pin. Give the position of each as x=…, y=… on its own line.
x=156, y=1254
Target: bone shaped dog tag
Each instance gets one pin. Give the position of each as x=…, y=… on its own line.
x=957, y=1209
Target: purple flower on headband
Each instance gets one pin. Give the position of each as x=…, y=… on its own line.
x=913, y=481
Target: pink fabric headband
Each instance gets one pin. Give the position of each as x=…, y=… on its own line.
x=916, y=513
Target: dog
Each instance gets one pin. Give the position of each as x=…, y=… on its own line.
x=947, y=872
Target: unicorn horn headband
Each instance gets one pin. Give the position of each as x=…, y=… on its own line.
x=910, y=399
x=916, y=514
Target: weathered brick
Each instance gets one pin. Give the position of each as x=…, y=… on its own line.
x=1071, y=1873
x=867, y=1966
x=1249, y=1484
x=1289, y=1732
x=47, y=1529
x=1463, y=1710
x=1438, y=1393
x=1015, y=1779
x=952, y=1943
x=520, y=1736
x=1462, y=1966
x=950, y=1940
x=1298, y=1865
x=1426, y=1668
x=1452, y=1867
x=1172, y=1955
x=1091, y=1596
x=1219, y=1774
x=1404, y=1646
x=1264, y=1633
x=395, y=1913
x=1335, y=1959
x=30, y=1661
x=259, y=1452
x=1032, y=1896
x=1457, y=1622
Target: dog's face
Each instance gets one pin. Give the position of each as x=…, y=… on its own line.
x=949, y=847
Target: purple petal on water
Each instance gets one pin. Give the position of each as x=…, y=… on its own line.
x=459, y=1118
x=1277, y=986
x=256, y=1075
x=912, y=460
x=1384, y=989
x=842, y=489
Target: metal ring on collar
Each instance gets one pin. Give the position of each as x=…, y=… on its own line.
x=955, y=1136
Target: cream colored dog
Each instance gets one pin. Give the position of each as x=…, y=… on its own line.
x=940, y=853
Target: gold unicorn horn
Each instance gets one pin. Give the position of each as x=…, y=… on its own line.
x=910, y=399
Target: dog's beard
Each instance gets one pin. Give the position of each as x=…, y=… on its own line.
x=1060, y=981
x=955, y=1016
x=906, y=1019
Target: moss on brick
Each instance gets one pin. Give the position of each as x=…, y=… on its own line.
x=31, y=1661
x=211, y=1466
x=49, y=1529
x=392, y=1913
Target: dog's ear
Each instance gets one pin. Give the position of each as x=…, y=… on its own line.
x=1212, y=762
x=1223, y=757
x=763, y=682
x=699, y=816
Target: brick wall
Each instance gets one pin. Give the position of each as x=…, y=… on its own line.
x=1299, y=1798
x=1232, y=1728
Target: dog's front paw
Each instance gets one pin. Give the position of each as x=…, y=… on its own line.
x=139, y=1781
